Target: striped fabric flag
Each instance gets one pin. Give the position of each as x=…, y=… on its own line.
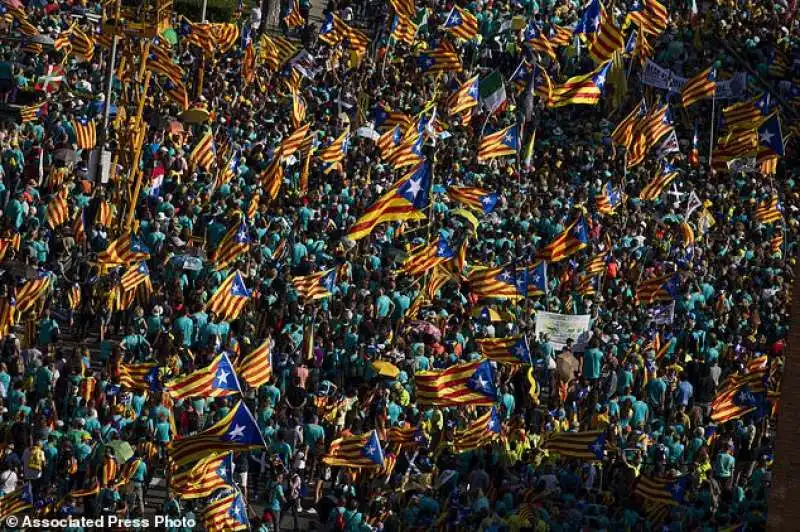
x=255, y=368
x=85, y=133
x=779, y=63
x=17, y=501
x=159, y=61
x=607, y=40
x=590, y=445
x=542, y=86
x=472, y=383
x=406, y=436
x=742, y=394
x=742, y=115
x=769, y=212
x=483, y=431
x=406, y=200
x=237, y=431
x=177, y=91
x=334, y=31
x=664, y=491
x=389, y=140
x=92, y=489
x=74, y=296
x=588, y=285
x=608, y=199
x=204, y=153
x=142, y=376
x=315, y=286
x=560, y=35
x=336, y=151
x=298, y=109
x=465, y=98
x=404, y=7
x=294, y=19
x=384, y=117
x=500, y=143
x=108, y=471
x=475, y=198
x=512, y=350
x=776, y=243
x=439, y=60
x=30, y=113
x=495, y=283
x=57, y=211
x=235, y=243
x=407, y=153
x=248, y=64
x=623, y=133
x=82, y=44
x=662, y=288
x=231, y=170
x=358, y=451
x=230, y=298
x=537, y=41
x=439, y=277
x=271, y=178
x=702, y=85
x=31, y=291
x=204, y=478
x=228, y=513
x=573, y=239
x=8, y=314
x=653, y=189
x=218, y=379
x=650, y=15
x=105, y=214
x=197, y=33
x=125, y=249
x=585, y=89
x=225, y=35
x=770, y=135
x=461, y=24
x=427, y=257
x=647, y=132
x=403, y=29
x=127, y=471
x=135, y=276
x=293, y=142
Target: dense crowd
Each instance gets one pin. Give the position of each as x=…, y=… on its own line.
x=82, y=437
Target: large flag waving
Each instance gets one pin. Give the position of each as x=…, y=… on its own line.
x=237, y=431
x=218, y=379
x=361, y=451
x=228, y=513
x=500, y=143
x=573, y=239
x=472, y=383
x=406, y=200
x=230, y=297
x=204, y=478
x=255, y=368
x=582, y=445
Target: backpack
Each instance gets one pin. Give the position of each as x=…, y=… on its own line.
x=36, y=459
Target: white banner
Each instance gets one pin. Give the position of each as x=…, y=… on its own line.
x=663, y=78
x=560, y=327
x=662, y=314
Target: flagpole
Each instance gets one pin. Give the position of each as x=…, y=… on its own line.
x=711, y=137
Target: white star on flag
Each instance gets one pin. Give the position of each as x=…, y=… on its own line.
x=766, y=137
x=414, y=188
x=222, y=377
x=237, y=432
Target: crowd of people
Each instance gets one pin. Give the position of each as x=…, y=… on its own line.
x=680, y=391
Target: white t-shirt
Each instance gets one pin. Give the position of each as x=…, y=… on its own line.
x=8, y=481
